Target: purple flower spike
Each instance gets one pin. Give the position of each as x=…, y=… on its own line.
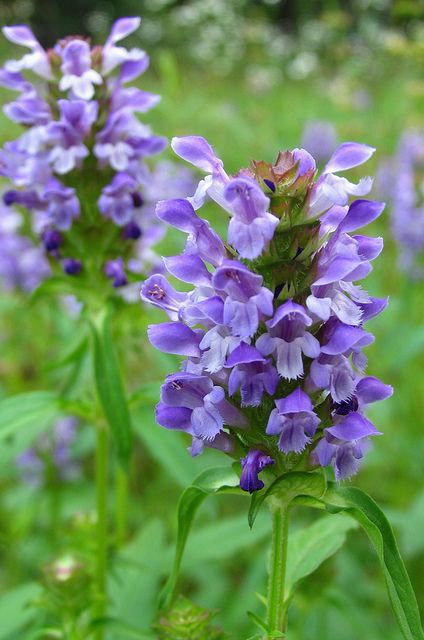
x=252, y=465
x=242, y=335
x=294, y=421
x=251, y=227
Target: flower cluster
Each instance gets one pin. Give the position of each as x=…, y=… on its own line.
x=273, y=329
x=402, y=179
x=80, y=166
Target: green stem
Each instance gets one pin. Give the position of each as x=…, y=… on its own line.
x=121, y=507
x=276, y=614
x=102, y=532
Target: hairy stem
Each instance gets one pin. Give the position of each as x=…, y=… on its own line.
x=276, y=614
x=102, y=452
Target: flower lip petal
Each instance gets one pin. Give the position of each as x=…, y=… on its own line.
x=197, y=151
x=174, y=337
x=343, y=338
x=287, y=309
x=347, y=156
x=188, y=268
x=354, y=427
x=370, y=389
x=296, y=402
x=244, y=354
x=122, y=28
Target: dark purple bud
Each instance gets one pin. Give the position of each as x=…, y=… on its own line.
x=137, y=199
x=9, y=197
x=345, y=407
x=72, y=267
x=270, y=185
x=252, y=465
x=52, y=239
x=114, y=269
x=131, y=231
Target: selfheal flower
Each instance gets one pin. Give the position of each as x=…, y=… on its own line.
x=251, y=226
x=287, y=338
x=252, y=374
x=294, y=421
x=345, y=444
x=202, y=240
x=270, y=307
x=335, y=190
x=192, y=403
x=252, y=465
x=246, y=299
x=82, y=122
x=114, y=270
x=78, y=76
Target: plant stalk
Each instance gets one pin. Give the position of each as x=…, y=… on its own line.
x=102, y=453
x=121, y=505
x=276, y=610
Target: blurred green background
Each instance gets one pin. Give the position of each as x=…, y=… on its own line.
x=248, y=75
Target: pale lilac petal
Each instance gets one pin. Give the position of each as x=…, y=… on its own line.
x=371, y=389
x=174, y=337
x=197, y=151
x=347, y=156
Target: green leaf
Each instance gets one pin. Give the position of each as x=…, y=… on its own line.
x=15, y=612
x=218, y=480
x=21, y=411
x=309, y=547
x=363, y=509
x=286, y=488
x=110, y=389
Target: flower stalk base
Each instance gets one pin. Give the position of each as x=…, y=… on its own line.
x=276, y=609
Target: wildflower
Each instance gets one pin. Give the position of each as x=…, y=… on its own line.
x=272, y=330
x=84, y=152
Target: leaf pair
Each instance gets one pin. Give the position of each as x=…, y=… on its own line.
x=309, y=549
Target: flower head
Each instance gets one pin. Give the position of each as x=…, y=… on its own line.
x=272, y=330
x=80, y=168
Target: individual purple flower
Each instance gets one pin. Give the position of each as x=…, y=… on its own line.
x=246, y=299
x=331, y=189
x=252, y=465
x=192, y=403
x=160, y=293
x=115, y=271
x=251, y=226
x=37, y=61
x=78, y=76
x=202, y=240
x=287, y=338
x=252, y=374
x=345, y=444
x=117, y=200
x=294, y=421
